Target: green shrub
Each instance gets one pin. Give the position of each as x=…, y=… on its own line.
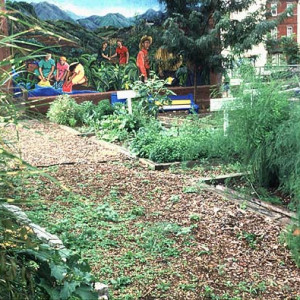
x=91, y=114
x=146, y=136
x=286, y=154
x=120, y=126
x=187, y=142
x=64, y=110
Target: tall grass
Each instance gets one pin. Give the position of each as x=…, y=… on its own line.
x=265, y=133
x=259, y=110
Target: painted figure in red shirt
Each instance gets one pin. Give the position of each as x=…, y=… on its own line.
x=142, y=60
x=122, y=53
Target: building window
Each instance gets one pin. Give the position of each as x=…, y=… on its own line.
x=274, y=33
x=275, y=59
x=274, y=9
x=289, y=31
x=288, y=6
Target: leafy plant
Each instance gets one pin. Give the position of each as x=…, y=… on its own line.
x=60, y=274
x=91, y=114
x=188, y=142
x=64, y=110
x=107, y=76
x=120, y=125
x=153, y=94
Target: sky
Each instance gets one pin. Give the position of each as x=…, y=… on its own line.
x=87, y=8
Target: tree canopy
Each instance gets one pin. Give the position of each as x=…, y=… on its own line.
x=200, y=29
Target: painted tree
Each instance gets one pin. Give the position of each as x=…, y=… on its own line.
x=200, y=29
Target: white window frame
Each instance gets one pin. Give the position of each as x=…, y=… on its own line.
x=289, y=30
x=288, y=4
x=274, y=9
x=274, y=33
x=275, y=59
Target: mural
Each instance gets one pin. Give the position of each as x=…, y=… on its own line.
x=79, y=8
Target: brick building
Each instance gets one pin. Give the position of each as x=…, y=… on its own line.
x=290, y=26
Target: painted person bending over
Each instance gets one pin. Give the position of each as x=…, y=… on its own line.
x=46, y=69
x=75, y=76
x=142, y=60
x=122, y=53
x=62, y=69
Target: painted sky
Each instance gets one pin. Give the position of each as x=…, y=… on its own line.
x=87, y=8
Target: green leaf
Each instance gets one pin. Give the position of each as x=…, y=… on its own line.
x=58, y=272
x=52, y=292
x=86, y=292
x=68, y=289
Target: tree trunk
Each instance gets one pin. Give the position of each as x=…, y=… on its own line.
x=195, y=84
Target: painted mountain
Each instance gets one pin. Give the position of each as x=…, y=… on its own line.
x=119, y=21
x=115, y=20
x=46, y=11
x=73, y=16
x=152, y=15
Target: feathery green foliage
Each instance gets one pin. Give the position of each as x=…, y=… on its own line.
x=260, y=109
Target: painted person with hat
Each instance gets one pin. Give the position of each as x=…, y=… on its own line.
x=75, y=76
x=122, y=52
x=142, y=60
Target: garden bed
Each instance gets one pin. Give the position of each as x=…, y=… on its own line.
x=219, y=182
x=120, y=149
x=155, y=235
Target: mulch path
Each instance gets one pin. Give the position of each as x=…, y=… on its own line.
x=219, y=256
x=42, y=143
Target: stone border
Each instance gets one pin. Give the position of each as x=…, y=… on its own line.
x=40, y=232
x=48, y=238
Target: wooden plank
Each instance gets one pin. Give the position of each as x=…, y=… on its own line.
x=259, y=202
x=70, y=130
x=271, y=211
x=157, y=166
x=221, y=178
x=170, y=107
x=177, y=102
